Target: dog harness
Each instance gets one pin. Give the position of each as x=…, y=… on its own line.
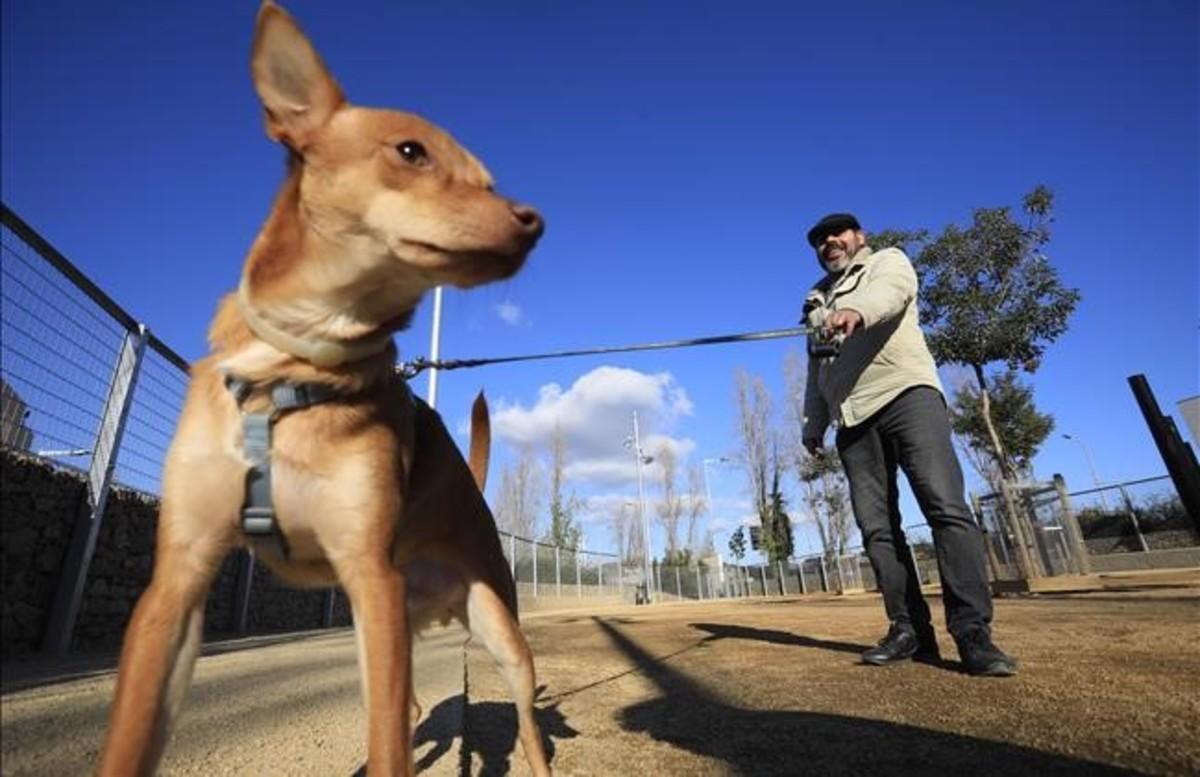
x=258, y=511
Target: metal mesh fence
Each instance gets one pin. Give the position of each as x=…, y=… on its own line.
x=58, y=350
x=64, y=345
x=157, y=400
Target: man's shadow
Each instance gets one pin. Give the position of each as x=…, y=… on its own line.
x=687, y=715
x=725, y=631
x=489, y=733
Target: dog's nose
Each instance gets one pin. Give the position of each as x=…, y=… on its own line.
x=530, y=220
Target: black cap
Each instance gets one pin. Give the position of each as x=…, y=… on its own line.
x=831, y=225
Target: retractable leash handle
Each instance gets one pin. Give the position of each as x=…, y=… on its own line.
x=824, y=346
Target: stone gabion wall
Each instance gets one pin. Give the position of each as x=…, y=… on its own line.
x=39, y=504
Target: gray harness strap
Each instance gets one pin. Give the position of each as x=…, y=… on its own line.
x=258, y=510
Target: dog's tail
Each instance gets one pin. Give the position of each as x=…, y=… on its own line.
x=481, y=440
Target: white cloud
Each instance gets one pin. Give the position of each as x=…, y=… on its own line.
x=595, y=416
x=510, y=313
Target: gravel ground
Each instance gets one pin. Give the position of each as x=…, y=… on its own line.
x=1109, y=683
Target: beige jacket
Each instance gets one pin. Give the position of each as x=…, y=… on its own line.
x=884, y=357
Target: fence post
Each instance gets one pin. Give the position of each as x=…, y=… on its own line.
x=678, y=587
x=557, y=572
x=578, y=579
x=762, y=575
x=800, y=574
x=699, y=585
x=512, y=555
x=64, y=611
x=327, y=617
x=824, y=575
x=1137, y=528
x=1079, y=552
x=600, y=577
x=243, y=582
x=782, y=582
x=993, y=562
x=1025, y=541
x=533, y=544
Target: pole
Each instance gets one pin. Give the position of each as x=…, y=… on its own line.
x=435, y=348
x=1087, y=454
x=637, y=451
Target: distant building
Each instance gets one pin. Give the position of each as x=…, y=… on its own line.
x=14, y=432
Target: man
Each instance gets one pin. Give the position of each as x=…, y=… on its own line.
x=880, y=388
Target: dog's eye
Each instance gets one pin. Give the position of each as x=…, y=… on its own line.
x=413, y=152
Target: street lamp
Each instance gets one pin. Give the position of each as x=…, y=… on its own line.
x=705, y=463
x=1092, y=466
x=634, y=443
x=435, y=346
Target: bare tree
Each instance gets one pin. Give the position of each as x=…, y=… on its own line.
x=697, y=505
x=670, y=507
x=754, y=413
x=825, y=490
x=520, y=498
x=620, y=523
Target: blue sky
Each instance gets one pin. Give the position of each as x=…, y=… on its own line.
x=678, y=152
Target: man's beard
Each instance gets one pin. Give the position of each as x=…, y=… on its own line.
x=836, y=265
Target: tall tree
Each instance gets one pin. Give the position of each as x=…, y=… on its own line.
x=520, y=498
x=778, y=540
x=670, y=507
x=1017, y=422
x=989, y=294
x=827, y=496
x=825, y=491
x=737, y=543
x=696, y=505
x=755, y=438
x=563, y=530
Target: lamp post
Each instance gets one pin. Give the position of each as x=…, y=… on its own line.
x=705, y=463
x=1092, y=466
x=435, y=346
x=635, y=444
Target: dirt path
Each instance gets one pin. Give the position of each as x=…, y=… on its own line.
x=1109, y=683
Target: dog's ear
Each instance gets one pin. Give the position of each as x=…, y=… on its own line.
x=297, y=91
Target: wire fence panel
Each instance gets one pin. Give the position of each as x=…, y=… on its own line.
x=58, y=351
x=157, y=401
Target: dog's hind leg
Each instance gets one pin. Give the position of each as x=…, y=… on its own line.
x=161, y=644
x=490, y=621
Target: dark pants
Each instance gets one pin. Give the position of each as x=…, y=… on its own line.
x=913, y=432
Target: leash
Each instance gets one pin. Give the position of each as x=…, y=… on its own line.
x=411, y=369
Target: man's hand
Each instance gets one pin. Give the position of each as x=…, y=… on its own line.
x=813, y=445
x=843, y=321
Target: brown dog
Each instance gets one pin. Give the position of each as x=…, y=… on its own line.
x=368, y=488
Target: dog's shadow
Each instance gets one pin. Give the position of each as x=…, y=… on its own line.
x=489, y=732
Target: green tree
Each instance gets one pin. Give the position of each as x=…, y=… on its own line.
x=989, y=294
x=777, y=538
x=564, y=531
x=737, y=543
x=1018, y=424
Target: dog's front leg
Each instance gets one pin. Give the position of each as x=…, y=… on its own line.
x=377, y=592
x=161, y=644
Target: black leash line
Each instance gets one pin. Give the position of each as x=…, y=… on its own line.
x=411, y=369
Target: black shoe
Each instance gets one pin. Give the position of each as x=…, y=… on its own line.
x=981, y=657
x=900, y=644
x=927, y=646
